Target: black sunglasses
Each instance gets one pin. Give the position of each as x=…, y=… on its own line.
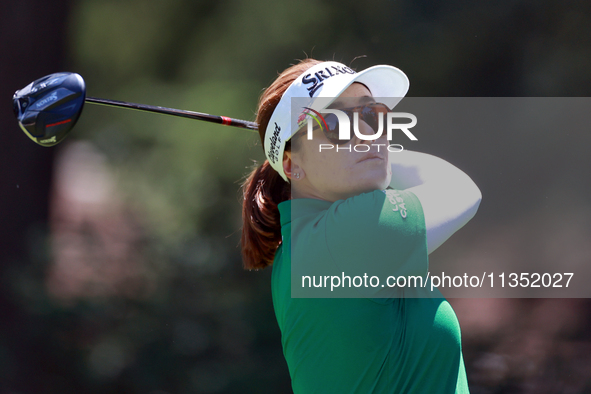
x=369, y=113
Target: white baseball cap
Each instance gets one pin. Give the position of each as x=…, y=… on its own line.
x=327, y=80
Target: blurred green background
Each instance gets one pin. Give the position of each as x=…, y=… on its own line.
x=119, y=248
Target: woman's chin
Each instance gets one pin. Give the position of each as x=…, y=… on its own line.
x=378, y=178
x=369, y=185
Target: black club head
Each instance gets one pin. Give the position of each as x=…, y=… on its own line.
x=48, y=108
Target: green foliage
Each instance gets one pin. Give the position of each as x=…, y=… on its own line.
x=207, y=57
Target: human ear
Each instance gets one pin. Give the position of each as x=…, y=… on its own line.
x=287, y=164
x=291, y=169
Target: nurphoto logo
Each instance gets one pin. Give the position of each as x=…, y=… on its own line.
x=336, y=125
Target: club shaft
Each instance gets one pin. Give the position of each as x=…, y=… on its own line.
x=224, y=120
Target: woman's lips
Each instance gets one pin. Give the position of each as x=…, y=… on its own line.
x=371, y=157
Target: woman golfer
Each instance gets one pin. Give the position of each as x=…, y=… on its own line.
x=317, y=212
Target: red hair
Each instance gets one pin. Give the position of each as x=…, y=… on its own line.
x=264, y=188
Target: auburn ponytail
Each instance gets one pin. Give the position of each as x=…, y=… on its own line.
x=264, y=188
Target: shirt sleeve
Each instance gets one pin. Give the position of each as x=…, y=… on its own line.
x=380, y=234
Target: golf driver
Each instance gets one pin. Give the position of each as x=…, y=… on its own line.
x=48, y=108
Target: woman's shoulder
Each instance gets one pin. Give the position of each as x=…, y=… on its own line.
x=366, y=211
x=379, y=233
x=389, y=205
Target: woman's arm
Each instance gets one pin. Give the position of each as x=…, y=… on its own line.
x=448, y=196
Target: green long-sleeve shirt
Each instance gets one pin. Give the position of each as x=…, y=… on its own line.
x=368, y=344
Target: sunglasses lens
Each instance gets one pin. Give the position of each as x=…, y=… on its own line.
x=370, y=114
x=332, y=134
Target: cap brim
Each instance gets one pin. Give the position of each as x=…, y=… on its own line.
x=387, y=83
